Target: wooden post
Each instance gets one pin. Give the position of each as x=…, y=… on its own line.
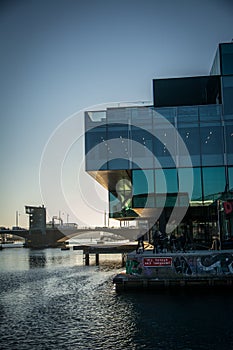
x=123, y=256
x=87, y=259
x=97, y=259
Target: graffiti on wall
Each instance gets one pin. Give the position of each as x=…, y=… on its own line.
x=181, y=265
x=219, y=263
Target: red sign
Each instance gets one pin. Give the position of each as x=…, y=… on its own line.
x=160, y=261
x=228, y=207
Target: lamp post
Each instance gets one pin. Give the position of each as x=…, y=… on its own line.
x=17, y=218
x=219, y=210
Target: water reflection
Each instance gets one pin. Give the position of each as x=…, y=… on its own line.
x=38, y=260
x=58, y=303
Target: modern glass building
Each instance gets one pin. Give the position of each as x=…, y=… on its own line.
x=170, y=163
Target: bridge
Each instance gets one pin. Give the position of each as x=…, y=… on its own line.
x=56, y=236
x=42, y=235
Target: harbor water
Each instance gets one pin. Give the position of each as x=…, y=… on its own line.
x=50, y=300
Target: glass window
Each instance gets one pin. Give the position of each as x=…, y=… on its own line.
x=191, y=138
x=143, y=188
x=227, y=95
x=187, y=91
x=195, y=192
x=166, y=185
x=143, y=181
x=165, y=148
x=118, y=145
x=166, y=181
x=230, y=176
x=142, y=117
x=142, y=148
x=120, y=200
x=142, y=144
x=168, y=113
x=118, y=115
x=96, y=149
x=227, y=58
x=214, y=182
x=212, y=146
x=114, y=206
x=197, y=188
x=187, y=115
x=229, y=142
x=210, y=113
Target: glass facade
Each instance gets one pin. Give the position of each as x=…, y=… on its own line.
x=154, y=155
x=187, y=91
x=226, y=51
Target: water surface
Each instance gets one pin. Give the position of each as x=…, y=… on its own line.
x=50, y=300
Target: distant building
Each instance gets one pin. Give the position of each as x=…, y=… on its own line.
x=177, y=152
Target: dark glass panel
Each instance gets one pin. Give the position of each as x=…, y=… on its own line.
x=143, y=184
x=210, y=113
x=227, y=58
x=142, y=148
x=120, y=200
x=142, y=144
x=197, y=188
x=230, y=176
x=142, y=117
x=187, y=115
x=168, y=113
x=214, y=182
x=94, y=137
x=212, y=146
x=96, y=148
x=229, y=142
x=191, y=138
x=118, y=144
x=114, y=205
x=166, y=181
x=187, y=91
x=165, y=146
x=143, y=181
x=195, y=192
x=227, y=95
x=118, y=115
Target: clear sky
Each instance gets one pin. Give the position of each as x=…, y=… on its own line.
x=62, y=56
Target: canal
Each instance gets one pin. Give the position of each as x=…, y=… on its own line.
x=50, y=300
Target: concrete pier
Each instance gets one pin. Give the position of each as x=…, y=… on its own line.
x=97, y=249
x=202, y=269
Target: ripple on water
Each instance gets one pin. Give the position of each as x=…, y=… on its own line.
x=72, y=306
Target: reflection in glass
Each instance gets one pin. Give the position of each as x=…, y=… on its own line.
x=142, y=147
x=227, y=95
x=143, y=188
x=227, y=58
x=230, y=176
x=166, y=181
x=229, y=141
x=96, y=147
x=118, y=146
x=214, y=182
x=190, y=136
x=195, y=193
x=212, y=146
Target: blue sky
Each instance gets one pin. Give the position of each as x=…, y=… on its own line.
x=59, y=57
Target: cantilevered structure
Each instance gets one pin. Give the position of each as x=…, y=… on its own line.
x=175, y=153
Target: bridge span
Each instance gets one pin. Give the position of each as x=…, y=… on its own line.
x=57, y=236
x=42, y=235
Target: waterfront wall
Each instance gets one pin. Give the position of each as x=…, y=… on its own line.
x=203, y=264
